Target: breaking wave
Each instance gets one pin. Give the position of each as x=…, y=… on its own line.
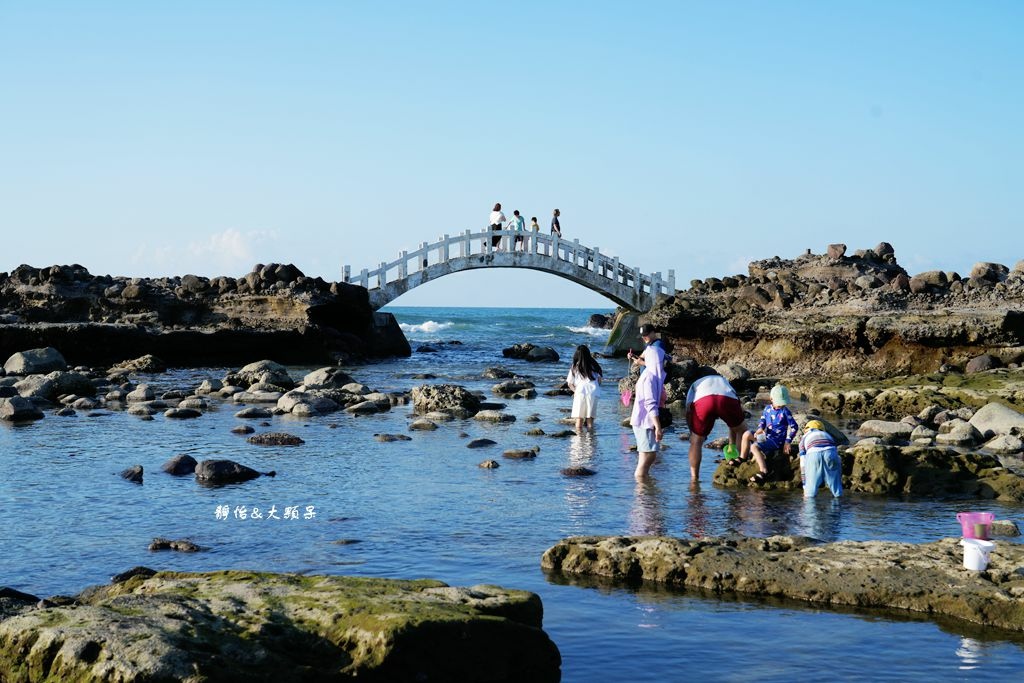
x=428, y=327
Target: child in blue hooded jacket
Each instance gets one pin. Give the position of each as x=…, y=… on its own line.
x=775, y=431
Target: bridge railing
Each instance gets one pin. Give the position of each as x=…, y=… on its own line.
x=486, y=242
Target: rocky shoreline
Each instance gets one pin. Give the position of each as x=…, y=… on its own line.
x=273, y=311
x=835, y=315
x=926, y=578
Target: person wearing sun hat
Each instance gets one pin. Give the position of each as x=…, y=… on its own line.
x=775, y=431
x=819, y=460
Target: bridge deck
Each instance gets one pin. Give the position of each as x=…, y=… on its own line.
x=587, y=266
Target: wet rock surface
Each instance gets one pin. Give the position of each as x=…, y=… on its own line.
x=451, y=399
x=880, y=469
x=237, y=625
x=926, y=578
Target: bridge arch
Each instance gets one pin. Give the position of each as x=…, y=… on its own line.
x=583, y=265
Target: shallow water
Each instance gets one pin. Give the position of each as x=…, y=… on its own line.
x=424, y=509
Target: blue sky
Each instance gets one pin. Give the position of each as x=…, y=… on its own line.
x=173, y=137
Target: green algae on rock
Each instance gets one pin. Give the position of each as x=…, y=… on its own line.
x=236, y=625
x=927, y=578
x=893, y=470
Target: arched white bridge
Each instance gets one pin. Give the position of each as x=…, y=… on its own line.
x=625, y=286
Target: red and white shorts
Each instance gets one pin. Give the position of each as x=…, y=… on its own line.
x=704, y=411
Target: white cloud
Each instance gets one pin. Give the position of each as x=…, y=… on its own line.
x=228, y=252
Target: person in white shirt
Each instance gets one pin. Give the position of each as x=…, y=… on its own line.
x=584, y=379
x=497, y=223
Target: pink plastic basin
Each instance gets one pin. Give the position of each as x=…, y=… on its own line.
x=969, y=520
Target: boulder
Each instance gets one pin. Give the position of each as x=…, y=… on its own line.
x=489, y=464
x=982, y=363
x=511, y=387
x=141, y=393
x=35, y=362
x=494, y=416
x=957, y=433
x=859, y=573
x=389, y=438
x=734, y=372
x=182, y=413
x=452, y=399
x=885, y=430
x=498, y=373
x=242, y=429
x=363, y=408
x=219, y=472
x=148, y=363
x=326, y=378
x=257, y=397
x=18, y=409
x=254, y=413
x=141, y=410
x=275, y=439
x=133, y=474
x=36, y=387
x=210, y=386
x=522, y=453
x=994, y=419
x=992, y=272
x=531, y=353
x=261, y=371
x=180, y=465
x=422, y=424
x=1005, y=444
x=256, y=626
x=481, y=443
x=836, y=251
x=193, y=403
x=182, y=546
x=71, y=383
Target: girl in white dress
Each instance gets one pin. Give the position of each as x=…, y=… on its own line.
x=584, y=379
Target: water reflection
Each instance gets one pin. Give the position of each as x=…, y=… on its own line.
x=970, y=653
x=647, y=516
x=820, y=518
x=580, y=491
x=695, y=516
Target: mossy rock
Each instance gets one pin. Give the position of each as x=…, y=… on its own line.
x=237, y=625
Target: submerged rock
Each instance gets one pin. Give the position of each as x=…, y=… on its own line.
x=481, y=443
x=388, y=438
x=928, y=578
x=182, y=546
x=237, y=625
x=522, y=453
x=275, y=439
x=133, y=474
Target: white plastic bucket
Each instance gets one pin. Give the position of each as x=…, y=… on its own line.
x=976, y=553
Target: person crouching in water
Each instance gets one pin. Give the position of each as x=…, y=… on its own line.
x=775, y=431
x=820, y=461
x=645, y=421
x=584, y=379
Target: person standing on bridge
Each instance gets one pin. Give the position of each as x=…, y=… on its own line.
x=497, y=223
x=519, y=225
x=556, y=227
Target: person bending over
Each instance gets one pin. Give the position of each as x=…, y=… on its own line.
x=711, y=398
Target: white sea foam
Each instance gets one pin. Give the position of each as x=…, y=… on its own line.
x=428, y=327
x=592, y=331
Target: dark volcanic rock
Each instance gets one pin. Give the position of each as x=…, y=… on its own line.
x=216, y=472
x=182, y=546
x=133, y=474
x=180, y=465
x=274, y=310
x=531, y=353
x=35, y=362
x=275, y=439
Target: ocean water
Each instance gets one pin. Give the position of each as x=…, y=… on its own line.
x=424, y=508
